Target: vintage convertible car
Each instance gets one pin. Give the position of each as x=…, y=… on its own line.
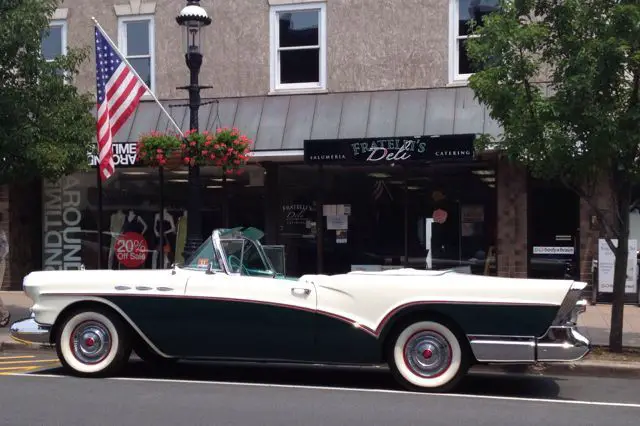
x=226, y=303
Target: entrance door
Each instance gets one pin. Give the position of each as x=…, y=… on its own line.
x=553, y=234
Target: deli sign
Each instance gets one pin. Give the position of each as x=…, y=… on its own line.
x=375, y=151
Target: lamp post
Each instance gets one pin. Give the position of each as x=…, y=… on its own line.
x=193, y=19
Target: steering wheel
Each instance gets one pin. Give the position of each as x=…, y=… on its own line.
x=233, y=259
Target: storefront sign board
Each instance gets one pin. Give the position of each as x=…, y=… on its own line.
x=380, y=151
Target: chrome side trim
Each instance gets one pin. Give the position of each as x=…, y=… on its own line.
x=562, y=344
x=503, y=348
x=29, y=331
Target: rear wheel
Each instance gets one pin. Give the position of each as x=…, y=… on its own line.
x=93, y=343
x=428, y=356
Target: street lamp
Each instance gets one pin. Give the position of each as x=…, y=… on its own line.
x=193, y=19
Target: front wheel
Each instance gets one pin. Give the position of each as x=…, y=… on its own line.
x=93, y=343
x=427, y=356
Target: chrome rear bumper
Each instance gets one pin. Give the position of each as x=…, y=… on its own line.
x=561, y=343
x=30, y=332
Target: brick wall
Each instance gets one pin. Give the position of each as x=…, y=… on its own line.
x=511, y=185
x=589, y=233
x=4, y=225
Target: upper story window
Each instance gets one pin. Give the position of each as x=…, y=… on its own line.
x=54, y=41
x=298, y=47
x=461, y=12
x=136, y=42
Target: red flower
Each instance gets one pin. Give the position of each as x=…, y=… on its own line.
x=205, y=152
x=193, y=143
x=213, y=156
x=186, y=160
x=207, y=143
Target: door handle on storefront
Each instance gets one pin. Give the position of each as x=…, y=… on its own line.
x=300, y=291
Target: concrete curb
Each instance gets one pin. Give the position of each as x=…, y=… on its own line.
x=589, y=368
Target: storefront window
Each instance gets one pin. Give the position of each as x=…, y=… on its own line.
x=136, y=210
x=377, y=218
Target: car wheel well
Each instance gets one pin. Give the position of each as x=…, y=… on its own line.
x=408, y=316
x=85, y=305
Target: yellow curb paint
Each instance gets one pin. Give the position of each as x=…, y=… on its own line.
x=29, y=361
x=23, y=368
x=6, y=358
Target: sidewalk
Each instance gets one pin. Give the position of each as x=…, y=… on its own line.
x=594, y=323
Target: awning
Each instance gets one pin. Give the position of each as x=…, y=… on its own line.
x=278, y=123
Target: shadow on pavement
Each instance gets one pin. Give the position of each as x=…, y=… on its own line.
x=477, y=383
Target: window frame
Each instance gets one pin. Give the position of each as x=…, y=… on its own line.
x=62, y=23
x=274, y=46
x=454, y=45
x=122, y=45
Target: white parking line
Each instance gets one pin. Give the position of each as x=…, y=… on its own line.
x=329, y=388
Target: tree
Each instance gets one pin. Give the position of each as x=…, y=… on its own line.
x=46, y=125
x=586, y=129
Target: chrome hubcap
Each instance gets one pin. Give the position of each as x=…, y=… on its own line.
x=427, y=354
x=90, y=342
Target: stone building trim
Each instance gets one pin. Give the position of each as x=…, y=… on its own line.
x=135, y=7
x=60, y=14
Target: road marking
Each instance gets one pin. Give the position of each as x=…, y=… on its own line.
x=37, y=361
x=329, y=388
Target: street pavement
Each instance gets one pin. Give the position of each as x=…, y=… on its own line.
x=218, y=394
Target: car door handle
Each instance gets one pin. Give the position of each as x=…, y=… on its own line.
x=300, y=291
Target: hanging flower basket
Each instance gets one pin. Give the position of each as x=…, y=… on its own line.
x=227, y=149
x=158, y=149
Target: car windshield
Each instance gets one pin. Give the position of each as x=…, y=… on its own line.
x=203, y=257
x=245, y=257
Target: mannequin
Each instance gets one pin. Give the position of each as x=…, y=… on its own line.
x=168, y=240
x=181, y=238
x=116, y=223
x=134, y=223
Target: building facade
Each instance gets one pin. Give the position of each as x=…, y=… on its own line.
x=363, y=156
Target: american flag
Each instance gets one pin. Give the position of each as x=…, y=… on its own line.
x=119, y=90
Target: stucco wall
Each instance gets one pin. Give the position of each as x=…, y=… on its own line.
x=371, y=44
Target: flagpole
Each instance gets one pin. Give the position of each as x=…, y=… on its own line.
x=104, y=33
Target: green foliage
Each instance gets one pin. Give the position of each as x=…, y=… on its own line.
x=563, y=79
x=46, y=126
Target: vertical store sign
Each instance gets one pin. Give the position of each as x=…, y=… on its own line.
x=62, y=246
x=606, y=265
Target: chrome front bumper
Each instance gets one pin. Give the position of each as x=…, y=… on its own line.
x=30, y=332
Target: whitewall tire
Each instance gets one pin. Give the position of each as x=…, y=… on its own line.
x=427, y=356
x=93, y=343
